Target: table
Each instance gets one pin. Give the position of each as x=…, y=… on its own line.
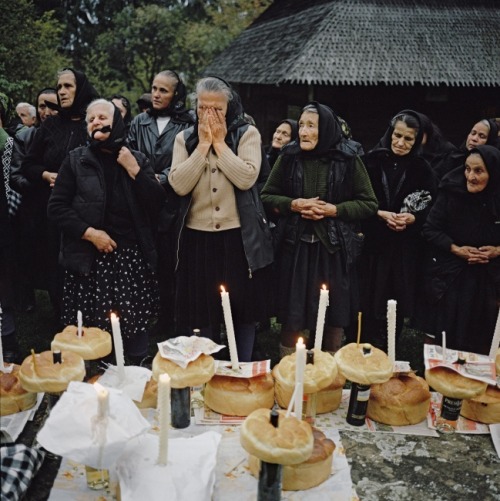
x=383, y=466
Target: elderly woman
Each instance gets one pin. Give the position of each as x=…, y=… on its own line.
x=223, y=234
x=484, y=131
x=53, y=140
x=106, y=201
x=320, y=194
x=286, y=131
x=153, y=133
x=405, y=186
x=463, y=274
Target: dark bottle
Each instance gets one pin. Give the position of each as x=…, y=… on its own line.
x=56, y=357
x=450, y=408
x=356, y=412
x=180, y=407
x=310, y=399
x=270, y=475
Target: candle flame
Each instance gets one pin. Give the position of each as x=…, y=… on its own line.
x=323, y=287
x=300, y=341
x=113, y=316
x=99, y=388
x=222, y=289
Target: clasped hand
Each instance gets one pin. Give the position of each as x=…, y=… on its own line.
x=476, y=255
x=395, y=221
x=313, y=208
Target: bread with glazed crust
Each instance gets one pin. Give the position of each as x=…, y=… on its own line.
x=291, y=442
x=13, y=397
x=39, y=373
x=235, y=396
x=401, y=401
x=358, y=367
x=451, y=384
x=310, y=473
x=93, y=344
x=484, y=408
x=196, y=373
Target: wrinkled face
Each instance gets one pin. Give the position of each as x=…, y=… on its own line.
x=477, y=136
x=476, y=174
x=282, y=135
x=43, y=110
x=66, y=89
x=211, y=100
x=98, y=117
x=308, y=130
x=119, y=104
x=26, y=118
x=162, y=91
x=402, y=139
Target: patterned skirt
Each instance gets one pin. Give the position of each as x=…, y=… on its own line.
x=119, y=282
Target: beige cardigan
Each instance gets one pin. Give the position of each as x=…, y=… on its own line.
x=210, y=180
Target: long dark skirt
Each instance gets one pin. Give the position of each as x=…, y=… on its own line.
x=303, y=269
x=119, y=282
x=208, y=260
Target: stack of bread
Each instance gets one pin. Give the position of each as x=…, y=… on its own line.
x=304, y=451
x=485, y=408
x=39, y=373
x=13, y=397
x=402, y=400
x=94, y=343
x=321, y=377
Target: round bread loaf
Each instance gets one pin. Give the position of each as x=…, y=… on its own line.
x=327, y=400
x=485, y=408
x=291, y=442
x=310, y=473
x=43, y=375
x=235, y=396
x=93, y=344
x=451, y=384
x=196, y=373
x=13, y=397
x=401, y=401
x=358, y=367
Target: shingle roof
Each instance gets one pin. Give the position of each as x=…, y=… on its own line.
x=368, y=42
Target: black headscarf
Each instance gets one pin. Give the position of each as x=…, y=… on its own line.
x=235, y=118
x=273, y=153
x=84, y=95
x=46, y=90
x=329, y=135
x=117, y=136
x=177, y=106
x=386, y=139
x=128, y=108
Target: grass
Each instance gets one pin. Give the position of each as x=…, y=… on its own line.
x=36, y=330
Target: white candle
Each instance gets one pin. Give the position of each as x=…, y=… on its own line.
x=300, y=365
x=118, y=344
x=102, y=400
x=228, y=319
x=391, y=329
x=496, y=339
x=164, y=410
x=79, y=323
x=444, y=346
x=320, y=323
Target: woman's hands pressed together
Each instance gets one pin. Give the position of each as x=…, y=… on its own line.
x=313, y=208
x=395, y=221
x=212, y=130
x=475, y=255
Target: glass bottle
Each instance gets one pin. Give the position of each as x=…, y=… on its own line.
x=270, y=475
x=450, y=412
x=358, y=402
x=180, y=407
x=310, y=399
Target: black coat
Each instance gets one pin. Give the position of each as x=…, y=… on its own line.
x=143, y=136
x=78, y=201
x=391, y=260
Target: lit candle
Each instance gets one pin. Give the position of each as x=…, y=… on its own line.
x=496, y=339
x=300, y=365
x=391, y=329
x=320, y=323
x=164, y=410
x=102, y=400
x=228, y=319
x=444, y=346
x=118, y=344
x=79, y=323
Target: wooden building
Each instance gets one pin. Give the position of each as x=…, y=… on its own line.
x=369, y=59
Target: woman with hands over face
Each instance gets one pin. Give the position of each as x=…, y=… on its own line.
x=106, y=202
x=223, y=236
x=319, y=194
x=462, y=278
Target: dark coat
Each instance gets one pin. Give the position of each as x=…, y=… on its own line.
x=462, y=297
x=143, y=136
x=78, y=202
